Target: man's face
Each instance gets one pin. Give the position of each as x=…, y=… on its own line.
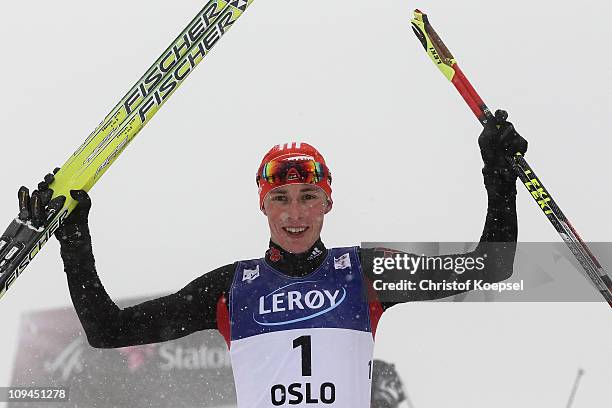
x=295, y=214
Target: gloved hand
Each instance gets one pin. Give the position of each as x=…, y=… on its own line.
x=498, y=140
x=75, y=227
x=38, y=209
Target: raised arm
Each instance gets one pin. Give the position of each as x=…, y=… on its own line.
x=498, y=240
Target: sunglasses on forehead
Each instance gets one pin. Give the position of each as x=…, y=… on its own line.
x=283, y=172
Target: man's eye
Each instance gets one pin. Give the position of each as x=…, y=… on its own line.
x=279, y=198
x=310, y=197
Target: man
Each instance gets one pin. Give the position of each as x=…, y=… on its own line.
x=300, y=322
x=387, y=387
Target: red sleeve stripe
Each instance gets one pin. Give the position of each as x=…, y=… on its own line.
x=223, y=321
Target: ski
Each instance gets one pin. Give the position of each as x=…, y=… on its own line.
x=22, y=241
x=444, y=60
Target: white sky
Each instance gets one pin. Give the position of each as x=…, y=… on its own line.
x=350, y=78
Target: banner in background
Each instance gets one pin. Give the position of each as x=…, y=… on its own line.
x=193, y=371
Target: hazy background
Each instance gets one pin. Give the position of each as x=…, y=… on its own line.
x=351, y=78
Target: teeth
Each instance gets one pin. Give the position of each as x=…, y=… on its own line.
x=295, y=230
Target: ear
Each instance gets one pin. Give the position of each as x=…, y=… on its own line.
x=329, y=206
x=263, y=210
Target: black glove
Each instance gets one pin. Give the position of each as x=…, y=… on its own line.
x=75, y=228
x=39, y=209
x=498, y=140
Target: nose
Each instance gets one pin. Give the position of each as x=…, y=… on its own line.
x=295, y=210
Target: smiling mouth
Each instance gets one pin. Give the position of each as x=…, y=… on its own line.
x=295, y=231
